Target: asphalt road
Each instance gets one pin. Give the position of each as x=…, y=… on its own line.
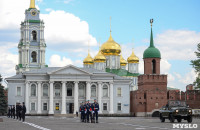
x=105, y=123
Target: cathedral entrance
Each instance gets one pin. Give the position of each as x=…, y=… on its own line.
x=70, y=108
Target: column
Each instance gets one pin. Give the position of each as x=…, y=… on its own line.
x=27, y=97
x=75, y=97
x=39, y=98
x=111, y=98
x=63, y=98
x=99, y=96
x=88, y=91
x=51, y=98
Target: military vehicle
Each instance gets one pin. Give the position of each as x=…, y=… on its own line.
x=176, y=110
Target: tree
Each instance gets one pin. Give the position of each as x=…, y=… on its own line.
x=3, y=102
x=196, y=65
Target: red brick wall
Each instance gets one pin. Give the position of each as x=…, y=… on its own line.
x=148, y=65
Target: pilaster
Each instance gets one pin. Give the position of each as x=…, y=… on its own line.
x=27, y=97
x=100, y=96
x=111, y=98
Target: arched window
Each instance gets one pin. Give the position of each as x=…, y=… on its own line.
x=81, y=90
x=34, y=56
x=33, y=90
x=45, y=90
x=105, y=90
x=34, y=35
x=93, y=91
x=153, y=66
x=57, y=89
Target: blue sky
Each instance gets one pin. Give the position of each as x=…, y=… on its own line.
x=70, y=24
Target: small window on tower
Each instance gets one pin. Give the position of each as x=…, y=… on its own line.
x=153, y=66
x=33, y=56
x=34, y=35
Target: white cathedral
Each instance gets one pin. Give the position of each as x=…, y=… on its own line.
x=61, y=90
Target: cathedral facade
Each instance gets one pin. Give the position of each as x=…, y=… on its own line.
x=61, y=90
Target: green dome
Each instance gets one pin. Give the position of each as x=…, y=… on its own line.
x=151, y=51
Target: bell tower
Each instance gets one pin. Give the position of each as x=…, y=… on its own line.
x=32, y=46
x=152, y=79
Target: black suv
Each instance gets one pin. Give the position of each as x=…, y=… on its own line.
x=176, y=110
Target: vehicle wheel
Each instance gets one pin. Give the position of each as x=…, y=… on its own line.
x=162, y=119
x=189, y=119
x=171, y=118
x=179, y=119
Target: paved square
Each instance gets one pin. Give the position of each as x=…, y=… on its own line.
x=105, y=123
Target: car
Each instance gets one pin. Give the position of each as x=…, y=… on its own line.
x=176, y=110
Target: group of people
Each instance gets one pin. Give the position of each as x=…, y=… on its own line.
x=89, y=111
x=19, y=112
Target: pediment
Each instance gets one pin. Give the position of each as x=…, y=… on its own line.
x=70, y=69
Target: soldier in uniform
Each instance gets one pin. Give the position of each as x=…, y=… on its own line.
x=17, y=111
x=88, y=110
x=23, y=112
x=9, y=111
x=13, y=112
x=85, y=111
x=96, y=110
x=82, y=111
x=20, y=111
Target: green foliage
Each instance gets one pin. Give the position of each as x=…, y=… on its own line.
x=196, y=65
x=3, y=102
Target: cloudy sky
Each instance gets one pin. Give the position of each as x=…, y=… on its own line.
x=71, y=24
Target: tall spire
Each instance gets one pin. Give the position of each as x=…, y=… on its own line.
x=32, y=4
x=151, y=40
x=110, y=25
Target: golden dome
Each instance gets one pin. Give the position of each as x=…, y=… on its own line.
x=133, y=58
x=99, y=57
x=88, y=60
x=123, y=62
x=110, y=47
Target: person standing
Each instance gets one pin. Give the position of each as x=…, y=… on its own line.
x=23, y=112
x=17, y=111
x=96, y=110
x=82, y=111
x=88, y=110
x=9, y=111
x=20, y=111
x=13, y=113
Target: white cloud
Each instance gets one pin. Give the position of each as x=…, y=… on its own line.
x=8, y=60
x=57, y=61
x=67, y=1
x=164, y=66
x=177, y=44
x=66, y=32
x=188, y=78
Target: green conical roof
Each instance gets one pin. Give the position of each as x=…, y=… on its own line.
x=151, y=51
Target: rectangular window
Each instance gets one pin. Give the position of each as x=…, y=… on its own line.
x=45, y=90
x=105, y=106
x=119, y=92
x=119, y=106
x=44, y=106
x=69, y=91
x=57, y=106
x=18, y=91
x=32, y=106
x=105, y=91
